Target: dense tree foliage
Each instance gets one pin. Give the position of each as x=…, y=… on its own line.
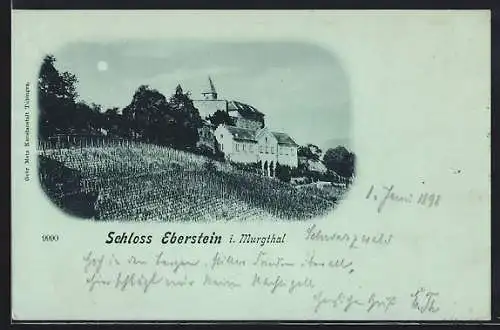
x=309, y=152
x=340, y=160
x=187, y=118
x=220, y=117
x=150, y=116
x=57, y=95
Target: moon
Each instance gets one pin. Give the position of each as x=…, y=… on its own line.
x=102, y=66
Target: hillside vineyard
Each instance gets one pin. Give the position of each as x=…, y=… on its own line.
x=177, y=159
x=145, y=182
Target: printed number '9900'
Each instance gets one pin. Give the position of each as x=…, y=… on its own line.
x=50, y=238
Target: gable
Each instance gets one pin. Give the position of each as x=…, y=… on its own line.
x=264, y=136
x=284, y=139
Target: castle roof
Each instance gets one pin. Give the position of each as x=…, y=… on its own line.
x=245, y=110
x=243, y=134
x=246, y=134
x=284, y=139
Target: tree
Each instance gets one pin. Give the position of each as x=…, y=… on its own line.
x=315, y=151
x=303, y=151
x=145, y=114
x=220, y=117
x=152, y=119
x=56, y=97
x=340, y=160
x=187, y=118
x=81, y=118
x=309, y=152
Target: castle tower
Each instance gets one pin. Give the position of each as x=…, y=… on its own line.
x=211, y=94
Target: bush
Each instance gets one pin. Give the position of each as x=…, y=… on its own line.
x=283, y=173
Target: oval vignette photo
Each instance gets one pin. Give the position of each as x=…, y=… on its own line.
x=194, y=131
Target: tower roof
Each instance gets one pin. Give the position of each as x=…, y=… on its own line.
x=211, y=89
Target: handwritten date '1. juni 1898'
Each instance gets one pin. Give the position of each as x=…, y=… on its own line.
x=389, y=194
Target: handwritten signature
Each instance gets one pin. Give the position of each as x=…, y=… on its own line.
x=425, y=301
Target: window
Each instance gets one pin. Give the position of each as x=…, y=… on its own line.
x=261, y=149
x=272, y=150
x=243, y=146
x=267, y=149
x=237, y=147
x=280, y=150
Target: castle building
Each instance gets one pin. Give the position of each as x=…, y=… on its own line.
x=243, y=115
x=210, y=103
x=262, y=146
x=249, y=140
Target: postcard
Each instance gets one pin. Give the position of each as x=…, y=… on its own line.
x=250, y=165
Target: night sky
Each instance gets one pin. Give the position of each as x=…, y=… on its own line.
x=301, y=88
